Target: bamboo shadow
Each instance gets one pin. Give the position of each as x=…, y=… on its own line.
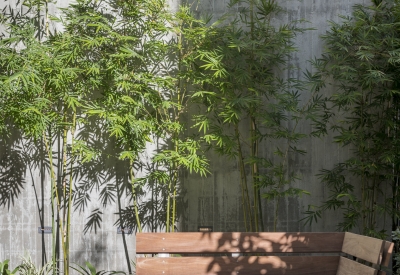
x=269, y=254
x=21, y=159
x=12, y=169
x=109, y=176
x=104, y=174
x=263, y=253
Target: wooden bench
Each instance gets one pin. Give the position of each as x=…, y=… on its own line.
x=218, y=253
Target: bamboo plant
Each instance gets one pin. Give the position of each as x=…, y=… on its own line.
x=34, y=105
x=181, y=151
x=361, y=63
x=56, y=83
x=247, y=102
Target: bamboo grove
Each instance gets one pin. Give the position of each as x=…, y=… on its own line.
x=361, y=62
x=90, y=90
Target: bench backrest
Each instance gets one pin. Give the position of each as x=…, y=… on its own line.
x=261, y=253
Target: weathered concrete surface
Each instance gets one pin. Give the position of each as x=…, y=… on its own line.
x=19, y=222
x=214, y=200
x=25, y=199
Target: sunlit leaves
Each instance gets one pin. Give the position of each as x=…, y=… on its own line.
x=101, y=71
x=185, y=156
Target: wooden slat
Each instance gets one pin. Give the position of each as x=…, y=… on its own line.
x=363, y=247
x=218, y=242
x=253, y=265
x=350, y=267
x=387, y=253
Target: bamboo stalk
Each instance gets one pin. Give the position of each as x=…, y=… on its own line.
x=134, y=197
x=56, y=197
x=68, y=231
x=244, y=179
x=276, y=214
x=364, y=192
x=168, y=207
x=173, y=191
x=63, y=231
x=52, y=198
x=174, y=203
x=254, y=171
x=172, y=188
x=262, y=229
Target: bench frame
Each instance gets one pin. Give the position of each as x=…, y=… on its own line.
x=217, y=253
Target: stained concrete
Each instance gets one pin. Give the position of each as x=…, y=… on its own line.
x=216, y=200
x=213, y=200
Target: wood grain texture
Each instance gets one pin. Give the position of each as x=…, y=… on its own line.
x=363, y=247
x=387, y=253
x=253, y=265
x=350, y=267
x=218, y=242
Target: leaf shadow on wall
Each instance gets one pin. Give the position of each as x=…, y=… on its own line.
x=12, y=168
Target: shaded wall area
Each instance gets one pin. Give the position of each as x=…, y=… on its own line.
x=216, y=200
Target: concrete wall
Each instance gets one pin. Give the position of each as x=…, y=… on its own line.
x=214, y=200
x=25, y=199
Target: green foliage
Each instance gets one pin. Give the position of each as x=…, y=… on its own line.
x=37, y=95
x=361, y=62
x=183, y=152
x=91, y=270
x=396, y=255
x=96, y=80
x=246, y=101
x=103, y=88
x=27, y=267
x=4, y=268
x=118, y=50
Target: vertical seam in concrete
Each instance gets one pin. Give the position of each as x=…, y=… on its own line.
x=213, y=201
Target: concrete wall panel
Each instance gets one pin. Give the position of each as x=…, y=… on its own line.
x=213, y=200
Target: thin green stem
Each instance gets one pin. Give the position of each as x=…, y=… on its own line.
x=168, y=207
x=52, y=198
x=67, y=241
x=254, y=172
x=134, y=197
x=174, y=203
x=64, y=196
x=276, y=213
x=243, y=177
x=56, y=197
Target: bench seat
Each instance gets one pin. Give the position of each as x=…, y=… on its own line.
x=217, y=253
